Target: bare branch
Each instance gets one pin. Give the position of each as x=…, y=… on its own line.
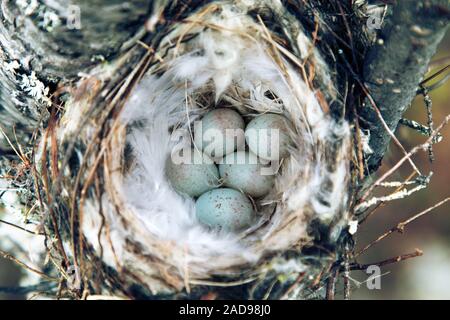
x=52, y=42
x=416, y=253
x=10, y=257
x=401, y=226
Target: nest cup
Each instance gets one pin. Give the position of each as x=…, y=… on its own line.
x=219, y=57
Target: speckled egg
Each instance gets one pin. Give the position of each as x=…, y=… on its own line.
x=219, y=132
x=259, y=134
x=243, y=171
x=224, y=209
x=193, y=176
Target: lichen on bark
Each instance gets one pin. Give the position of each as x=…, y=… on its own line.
x=49, y=69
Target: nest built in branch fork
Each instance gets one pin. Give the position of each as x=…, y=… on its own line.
x=113, y=223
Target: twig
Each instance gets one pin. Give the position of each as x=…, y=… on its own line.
x=378, y=113
x=386, y=127
x=10, y=257
x=428, y=105
x=402, y=193
x=406, y=157
x=51, y=212
x=331, y=284
x=382, y=203
x=359, y=146
x=423, y=130
x=434, y=75
x=19, y=154
x=346, y=274
x=416, y=253
x=401, y=226
x=21, y=228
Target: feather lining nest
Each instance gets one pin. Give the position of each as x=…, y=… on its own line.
x=137, y=224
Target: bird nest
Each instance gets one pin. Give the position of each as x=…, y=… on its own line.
x=118, y=221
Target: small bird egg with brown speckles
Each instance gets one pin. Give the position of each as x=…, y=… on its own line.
x=219, y=132
x=244, y=171
x=193, y=174
x=268, y=136
x=224, y=209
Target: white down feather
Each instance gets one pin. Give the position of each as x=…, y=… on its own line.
x=232, y=63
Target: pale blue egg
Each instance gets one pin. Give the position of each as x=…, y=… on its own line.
x=243, y=171
x=193, y=175
x=219, y=132
x=268, y=136
x=224, y=209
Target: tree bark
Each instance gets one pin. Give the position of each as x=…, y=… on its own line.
x=58, y=41
x=396, y=64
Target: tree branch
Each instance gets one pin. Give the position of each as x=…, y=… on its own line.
x=57, y=40
x=396, y=64
x=60, y=38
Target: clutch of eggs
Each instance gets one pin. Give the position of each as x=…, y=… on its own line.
x=242, y=153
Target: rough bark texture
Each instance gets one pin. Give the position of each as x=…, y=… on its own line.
x=396, y=64
x=59, y=44
x=59, y=56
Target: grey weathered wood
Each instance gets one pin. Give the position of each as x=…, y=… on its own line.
x=58, y=52
x=396, y=64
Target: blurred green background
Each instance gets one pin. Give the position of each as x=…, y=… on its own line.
x=425, y=277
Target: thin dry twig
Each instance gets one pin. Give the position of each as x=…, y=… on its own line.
x=46, y=185
x=359, y=151
x=35, y=233
x=346, y=274
x=331, y=284
x=401, y=194
x=10, y=257
x=386, y=127
x=434, y=75
x=401, y=226
x=379, y=115
x=382, y=203
x=404, y=158
x=21, y=156
x=416, y=253
x=429, y=104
